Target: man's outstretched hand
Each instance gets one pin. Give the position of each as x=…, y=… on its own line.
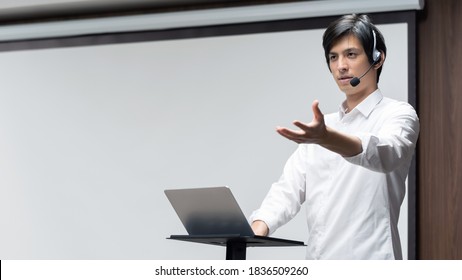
x=314, y=132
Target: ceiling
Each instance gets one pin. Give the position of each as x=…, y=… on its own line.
x=21, y=11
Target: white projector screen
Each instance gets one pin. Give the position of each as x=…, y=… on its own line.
x=92, y=135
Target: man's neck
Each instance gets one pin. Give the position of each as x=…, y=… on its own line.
x=354, y=100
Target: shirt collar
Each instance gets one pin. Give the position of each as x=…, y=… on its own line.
x=366, y=106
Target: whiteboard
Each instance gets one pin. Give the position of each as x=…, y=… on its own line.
x=92, y=135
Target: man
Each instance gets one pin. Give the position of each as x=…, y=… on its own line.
x=350, y=167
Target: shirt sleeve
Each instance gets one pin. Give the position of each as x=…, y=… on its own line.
x=393, y=144
x=286, y=196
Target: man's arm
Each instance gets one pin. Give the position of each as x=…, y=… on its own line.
x=316, y=132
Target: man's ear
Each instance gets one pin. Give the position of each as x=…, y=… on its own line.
x=379, y=63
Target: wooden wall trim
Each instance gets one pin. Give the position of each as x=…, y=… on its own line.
x=440, y=144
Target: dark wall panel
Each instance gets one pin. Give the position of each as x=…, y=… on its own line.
x=440, y=145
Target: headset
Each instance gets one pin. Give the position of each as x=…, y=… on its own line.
x=375, y=53
x=375, y=58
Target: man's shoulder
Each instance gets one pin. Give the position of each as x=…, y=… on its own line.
x=392, y=109
x=396, y=105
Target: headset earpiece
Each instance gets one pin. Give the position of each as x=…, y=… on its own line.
x=375, y=53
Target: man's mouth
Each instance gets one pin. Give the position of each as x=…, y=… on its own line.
x=345, y=79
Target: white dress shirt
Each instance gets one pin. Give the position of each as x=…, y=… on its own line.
x=352, y=204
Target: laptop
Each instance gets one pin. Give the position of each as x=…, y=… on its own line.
x=212, y=215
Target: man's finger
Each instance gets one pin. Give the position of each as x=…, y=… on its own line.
x=290, y=134
x=301, y=125
x=316, y=111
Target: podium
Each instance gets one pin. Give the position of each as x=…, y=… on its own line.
x=212, y=216
x=236, y=244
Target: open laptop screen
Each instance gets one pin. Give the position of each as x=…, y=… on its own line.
x=209, y=211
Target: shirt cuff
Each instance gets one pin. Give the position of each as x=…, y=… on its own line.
x=368, y=141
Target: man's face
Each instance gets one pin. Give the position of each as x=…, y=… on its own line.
x=347, y=59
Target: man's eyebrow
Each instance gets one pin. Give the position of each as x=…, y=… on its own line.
x=351, y=49
x=345, y=50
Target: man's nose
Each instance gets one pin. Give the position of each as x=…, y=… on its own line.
x=342, y=64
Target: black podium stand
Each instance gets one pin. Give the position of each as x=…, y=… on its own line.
x=236, y=245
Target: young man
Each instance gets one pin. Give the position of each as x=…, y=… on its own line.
x=350, y=167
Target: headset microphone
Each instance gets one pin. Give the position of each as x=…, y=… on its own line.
x=355, y=81
x=376, y=57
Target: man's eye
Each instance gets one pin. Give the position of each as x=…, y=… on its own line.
x=352, y=55
x=332, y=57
